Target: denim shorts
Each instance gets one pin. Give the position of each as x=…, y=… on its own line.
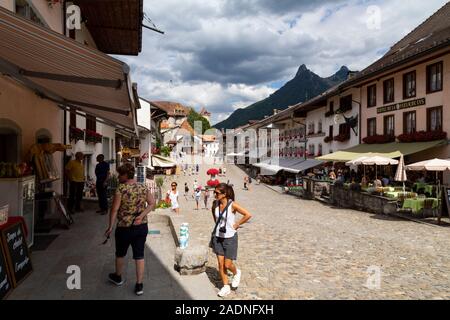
x=226, y=247
x=134, y=236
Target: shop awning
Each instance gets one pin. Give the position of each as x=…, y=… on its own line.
x=307, y=164
x=67, y=72
x=389, y=150
x=272, y=167
x=162, y=162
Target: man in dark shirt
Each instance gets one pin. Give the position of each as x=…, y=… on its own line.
x=102, y=174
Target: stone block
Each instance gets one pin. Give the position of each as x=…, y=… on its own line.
x=192, y=260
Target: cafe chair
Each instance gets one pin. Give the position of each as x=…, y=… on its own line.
x=428, y=210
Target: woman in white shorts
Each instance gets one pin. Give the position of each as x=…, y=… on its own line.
x=224, y=240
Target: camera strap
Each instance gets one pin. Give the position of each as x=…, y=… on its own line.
x=221, y=216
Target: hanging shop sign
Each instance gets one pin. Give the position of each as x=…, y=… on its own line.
x=402, y=105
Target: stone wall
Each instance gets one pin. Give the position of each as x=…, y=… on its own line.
x=344, y=198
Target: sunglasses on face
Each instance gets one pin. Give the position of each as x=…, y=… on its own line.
x=174, y=186
x=217, y=193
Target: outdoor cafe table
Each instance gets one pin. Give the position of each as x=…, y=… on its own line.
x=420, y=185
x=393, y=194
x=418, y=204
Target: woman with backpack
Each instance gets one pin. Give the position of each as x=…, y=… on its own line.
x=224, y=239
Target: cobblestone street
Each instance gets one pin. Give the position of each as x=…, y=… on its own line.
x=298, y=249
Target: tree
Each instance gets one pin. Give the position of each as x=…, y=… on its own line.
x=194, y=116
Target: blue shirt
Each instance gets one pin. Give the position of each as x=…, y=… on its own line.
x=101, y=171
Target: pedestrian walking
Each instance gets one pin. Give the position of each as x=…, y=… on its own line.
x=206, y=195
x=246, y=183
x=172, y=197
x=249, y=183
x=194, y=187
x=131, y=204
x=224, y=240
x=197, y=196
x=75, y=174
x=224, y=171
x=197, y=168
x=186, y=189
x=102, y=173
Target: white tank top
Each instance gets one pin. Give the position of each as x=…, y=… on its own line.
x=231, y=219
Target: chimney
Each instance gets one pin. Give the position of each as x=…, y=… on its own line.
x=351, y=74
x=275, y=111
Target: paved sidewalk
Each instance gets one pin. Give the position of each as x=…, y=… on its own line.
x=81, y=246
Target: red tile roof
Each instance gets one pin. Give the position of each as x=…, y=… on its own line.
x=172, y=108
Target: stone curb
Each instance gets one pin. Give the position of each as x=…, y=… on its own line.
x=193, y=259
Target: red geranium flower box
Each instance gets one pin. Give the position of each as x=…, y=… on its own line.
x=342, y=137
x=422, y=136
x=92, y=136
x=379, y=139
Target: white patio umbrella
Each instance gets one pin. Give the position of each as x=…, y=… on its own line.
x=432, y=165
x=378, y=161
x=400, y=175
x=358, y=162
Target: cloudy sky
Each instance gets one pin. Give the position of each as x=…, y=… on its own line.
x=227, y=54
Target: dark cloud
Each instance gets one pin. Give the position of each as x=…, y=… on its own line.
x=249, y=7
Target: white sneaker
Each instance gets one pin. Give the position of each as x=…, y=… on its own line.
x=236, y=279
x=226, y=290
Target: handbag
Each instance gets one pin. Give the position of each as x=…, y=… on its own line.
x=213, y=234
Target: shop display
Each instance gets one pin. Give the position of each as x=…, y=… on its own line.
x=44, y=163
x=4, y=210
x=13, y=170
x=19, y=194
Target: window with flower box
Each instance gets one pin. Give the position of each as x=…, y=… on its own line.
x=434, y=119
x=73, y=117
x=311, y=151
x=91, y=123
x=371, y=127
x=409, y=122
x=389, y=125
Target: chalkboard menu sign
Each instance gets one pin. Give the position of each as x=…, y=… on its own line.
x=17, y=254
x=5, y=280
